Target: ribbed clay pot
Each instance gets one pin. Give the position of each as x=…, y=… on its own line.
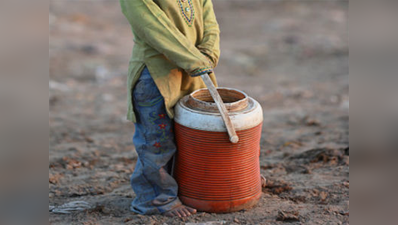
x=213, y=174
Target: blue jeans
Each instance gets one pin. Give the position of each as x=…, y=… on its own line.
x=156, y=190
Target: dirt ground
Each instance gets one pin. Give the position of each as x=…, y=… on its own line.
x=291, y=56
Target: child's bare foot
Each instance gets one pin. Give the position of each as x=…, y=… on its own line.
x=180, y=211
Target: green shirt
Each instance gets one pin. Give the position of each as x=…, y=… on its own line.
x=177, y=40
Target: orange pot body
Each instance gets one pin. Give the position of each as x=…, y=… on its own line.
x=215, y=175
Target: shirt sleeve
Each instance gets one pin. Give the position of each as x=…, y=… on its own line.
x=210, y=45
x=153, y=26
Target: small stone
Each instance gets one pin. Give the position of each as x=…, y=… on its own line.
x=344, y=213
x=312, y=122
x=323, y=195
x=288, y=216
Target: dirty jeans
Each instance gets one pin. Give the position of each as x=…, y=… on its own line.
x=155, y=189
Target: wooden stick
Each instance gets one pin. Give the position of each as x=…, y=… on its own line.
x=233, y=137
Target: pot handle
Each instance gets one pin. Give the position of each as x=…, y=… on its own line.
x=233, y=137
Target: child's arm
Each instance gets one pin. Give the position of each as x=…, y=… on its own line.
x=152, y=25
x=210, y=44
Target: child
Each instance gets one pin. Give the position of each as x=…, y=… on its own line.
x=176, y=41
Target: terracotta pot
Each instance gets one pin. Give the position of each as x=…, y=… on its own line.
x=213, y=174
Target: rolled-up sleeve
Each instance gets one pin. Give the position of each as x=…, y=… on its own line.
x=153, y=26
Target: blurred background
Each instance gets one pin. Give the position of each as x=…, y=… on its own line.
x=291, y=56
